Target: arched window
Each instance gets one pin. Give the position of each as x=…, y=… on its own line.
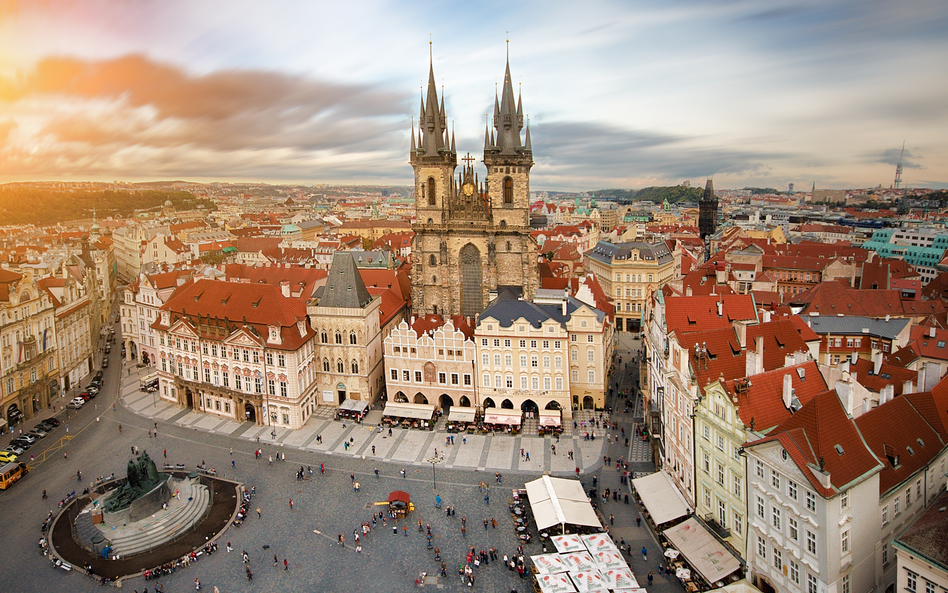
x=352, y=337
x=434, y=309
x=431, y=191
x=338, y=338
x=434, y=279
x=340, y=367
x=503, y=223
x=432, y=260
x=508, y=190
x=355, y=367
x=323, y=337
x=325, y=365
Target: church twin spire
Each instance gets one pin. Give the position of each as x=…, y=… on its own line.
x=433, y=138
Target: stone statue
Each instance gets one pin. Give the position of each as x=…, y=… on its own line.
x=141, y=477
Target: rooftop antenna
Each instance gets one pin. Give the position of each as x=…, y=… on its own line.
x=898, y=168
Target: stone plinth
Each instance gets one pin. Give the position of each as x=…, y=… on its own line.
x=142, y=507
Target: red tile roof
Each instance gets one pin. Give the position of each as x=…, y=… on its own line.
x=697, y=313
x=725, y=357
x=935, y=347
x=901, y=438
x=780, y=339
x=888, y=375
x=811, y=437
x=761, y=404
x=256, y=305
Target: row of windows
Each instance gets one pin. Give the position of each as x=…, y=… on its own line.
x=244, y=354
x=792, y=569
x=633, y=277
x=534, y=360
x=501, y=382
x=722, y=514
x=338, y=339
x=557, y=344
x=456, y=378
x=911, y=583
x=897, y=501
x=222, y=379
x=793, y=490
x=792, y=526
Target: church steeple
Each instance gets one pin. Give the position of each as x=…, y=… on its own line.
x=432, y=122
x=508, y=117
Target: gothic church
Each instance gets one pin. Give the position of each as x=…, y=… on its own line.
x=472, y=236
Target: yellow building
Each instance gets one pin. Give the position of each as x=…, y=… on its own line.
x=629, y=273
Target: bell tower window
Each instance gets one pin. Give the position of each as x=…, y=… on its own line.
x=431, y=191
x=508, y=190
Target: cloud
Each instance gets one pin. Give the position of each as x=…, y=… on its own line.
x=892, y=156
x=593, y=153
x=132, y=110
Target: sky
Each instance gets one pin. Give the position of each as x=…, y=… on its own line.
x=621, y=94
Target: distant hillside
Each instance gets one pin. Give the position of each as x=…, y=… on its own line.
x=41, y=206
x=675, y=193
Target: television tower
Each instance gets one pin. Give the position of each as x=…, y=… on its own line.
x=898, y=168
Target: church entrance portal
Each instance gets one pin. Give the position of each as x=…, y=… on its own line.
x=250, y=413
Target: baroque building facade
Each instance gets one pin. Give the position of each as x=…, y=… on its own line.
x=471, y=235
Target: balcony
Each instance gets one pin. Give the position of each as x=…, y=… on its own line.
x=718, y=529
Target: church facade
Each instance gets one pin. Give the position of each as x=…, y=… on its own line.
x=472, y=235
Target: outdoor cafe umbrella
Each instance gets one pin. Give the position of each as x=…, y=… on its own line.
x=671, y=553
x=555, y=583
x=619, y=579
x=548, y=563
x=589, y=580
x=578, y=561
x=568, y=543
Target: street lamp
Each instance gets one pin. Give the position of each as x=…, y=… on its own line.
x=434, y=460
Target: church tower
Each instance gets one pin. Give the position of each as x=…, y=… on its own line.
x=708, y=211
x=471, y=236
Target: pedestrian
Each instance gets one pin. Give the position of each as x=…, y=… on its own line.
x=291, y=504
x=376, y=473
x=464, y=440
x=352, y=477
x=528, y=456
x=612, y=520
x=463, y=531
x=638, y=521
x=276, y=561
x=493, y=522
x=233, y=464
x=165, y=451
x=229, y=548
x=231, y=451
x=402, y=472
x=197, y=583
x=373, y=449
x=286, y=565
x=644, y=554
x=650, y=578
x=485, y=524
x=258, y=513
x=497, y=476
x=487, y=498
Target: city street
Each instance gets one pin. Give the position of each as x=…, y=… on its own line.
x=324, y=506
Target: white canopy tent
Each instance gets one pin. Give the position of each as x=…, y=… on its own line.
x=508, y=417
x=403, y=410
x=459, y=414
x=702, y=551
x=550, y=417
x=558, y=501
x=660, y=497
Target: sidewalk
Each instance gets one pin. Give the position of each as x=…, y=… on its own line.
x=489, y=453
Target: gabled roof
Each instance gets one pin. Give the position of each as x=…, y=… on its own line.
x=901, y=438
x=725, y=357
x=933, y=406
x=822, y=433
x=760, y=400
x=903, y=357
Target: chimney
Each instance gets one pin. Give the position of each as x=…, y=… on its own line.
x=931, y=332
x=285, y=288
x=844, y=389
x=787, y=390
x=688, y=291
x=908, y=387
x=741, y=334
x=876, y=361
x=720, y=305
x=565, y=301
x=887, y=393
x=766, y=316
x=759, y=358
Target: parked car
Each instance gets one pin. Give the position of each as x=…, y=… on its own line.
x=12, y=448
x=92, y=388
x=98, y=376
x=52, y=422
x=105, y=362
x=76, y=403
x=45, y=425
x=27, y=437
x=21, y=442
x=86, y=396
x=39, y=431
x=7, y=457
